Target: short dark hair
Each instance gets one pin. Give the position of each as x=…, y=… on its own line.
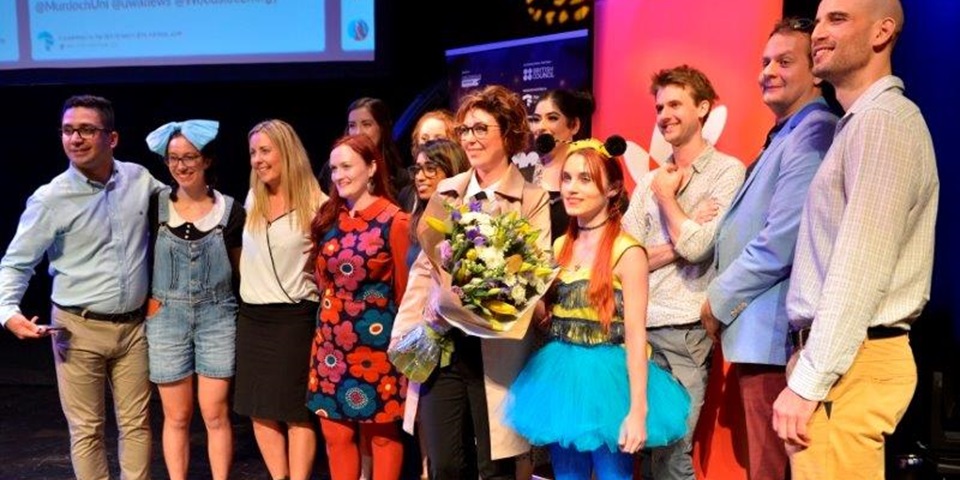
x=793, y=24
x=103, y=107
x=686, y=76
x=801, y=26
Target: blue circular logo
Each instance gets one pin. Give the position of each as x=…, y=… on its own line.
x=359, y=30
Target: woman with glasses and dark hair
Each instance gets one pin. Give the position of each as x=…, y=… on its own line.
x=192, y=312
x=458, y=404
x=436, y=160
x=360, y=240
x=433, y=125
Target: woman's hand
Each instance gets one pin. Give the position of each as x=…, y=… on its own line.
x=541, y=317
x=431, y=311
x=633, y=431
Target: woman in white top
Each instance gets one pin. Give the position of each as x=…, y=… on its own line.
x=279, y=300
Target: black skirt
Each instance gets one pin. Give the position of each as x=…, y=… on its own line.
x=273, y=360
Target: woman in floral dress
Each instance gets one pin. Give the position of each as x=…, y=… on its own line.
x=360, y=242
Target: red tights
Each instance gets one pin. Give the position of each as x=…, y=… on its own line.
x=382, y=439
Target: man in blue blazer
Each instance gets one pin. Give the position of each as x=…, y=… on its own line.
x=757, y=236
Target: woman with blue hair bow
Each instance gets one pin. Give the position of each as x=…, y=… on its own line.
x=192, y=311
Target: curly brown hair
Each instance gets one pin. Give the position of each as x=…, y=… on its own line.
x=509, y=110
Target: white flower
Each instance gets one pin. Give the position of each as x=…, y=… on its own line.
x=473, y=217
x=492, y=257
x=539, y=285
x=487, y=230
x=519, y=294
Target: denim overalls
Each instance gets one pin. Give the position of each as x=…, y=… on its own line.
x=195, y=328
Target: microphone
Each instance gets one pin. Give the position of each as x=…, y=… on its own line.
x=545, y=143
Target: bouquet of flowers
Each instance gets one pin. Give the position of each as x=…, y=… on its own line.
x=491, y=275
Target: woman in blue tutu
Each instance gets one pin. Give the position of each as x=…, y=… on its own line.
x=590, y=394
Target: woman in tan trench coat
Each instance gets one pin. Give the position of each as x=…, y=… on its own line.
x=459, y=405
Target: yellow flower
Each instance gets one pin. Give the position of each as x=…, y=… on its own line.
x=441, y=226
x=542, y=271
x=501, y=308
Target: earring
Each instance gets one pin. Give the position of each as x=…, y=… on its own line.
x=370, y=185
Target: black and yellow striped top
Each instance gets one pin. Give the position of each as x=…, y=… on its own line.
x=575, y=320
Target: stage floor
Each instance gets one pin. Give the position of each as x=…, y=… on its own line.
x=35, y=445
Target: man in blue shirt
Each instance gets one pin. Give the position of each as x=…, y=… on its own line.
x=757, y=238
x=91, y=223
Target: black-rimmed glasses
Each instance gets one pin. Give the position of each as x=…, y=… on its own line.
x=429, y=169
x=189, y=160
x=480, y=130
x=85, y=131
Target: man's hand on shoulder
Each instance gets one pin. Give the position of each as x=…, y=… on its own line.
x=23, y=328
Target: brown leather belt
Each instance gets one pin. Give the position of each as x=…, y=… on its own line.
x=132, y=316
x=799, y=337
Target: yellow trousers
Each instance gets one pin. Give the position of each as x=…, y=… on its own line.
x=847, y=429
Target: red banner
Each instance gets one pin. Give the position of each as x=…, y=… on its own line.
x=725, y=40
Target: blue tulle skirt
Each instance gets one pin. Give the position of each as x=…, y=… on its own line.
x=578, y=396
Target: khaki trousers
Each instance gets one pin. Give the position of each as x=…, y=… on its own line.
x=847, y=429
x=89, y=354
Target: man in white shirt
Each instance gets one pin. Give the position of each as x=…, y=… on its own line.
x=679, y=248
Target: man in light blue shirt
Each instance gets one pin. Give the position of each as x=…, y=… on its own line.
x=90, y=221
x=757, y=238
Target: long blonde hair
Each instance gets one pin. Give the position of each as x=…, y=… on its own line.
x=298, y=185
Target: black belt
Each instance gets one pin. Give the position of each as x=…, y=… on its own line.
x=686, y=326
x=132, y=316
x=799, y=337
